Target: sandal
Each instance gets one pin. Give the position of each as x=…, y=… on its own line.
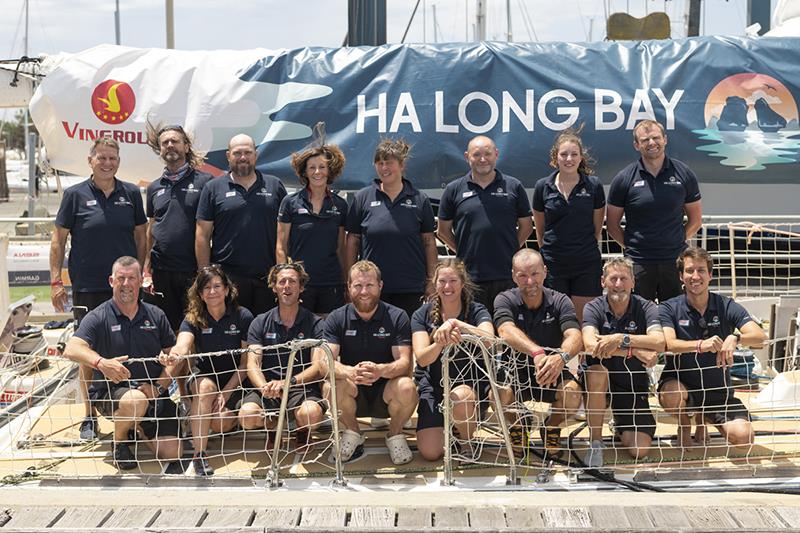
x=399, y=452
x=551, y=439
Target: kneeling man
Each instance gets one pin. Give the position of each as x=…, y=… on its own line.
x=371, y=341
x=700, y=329
x=623, y=333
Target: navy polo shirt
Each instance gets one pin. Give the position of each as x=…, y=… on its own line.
x=475, y=315
x=625, y=374
x=545, y=325
x=111, y=334
x=390, y=234
x=314, y=237
x=371, y=340
x=569, y=235
x=722, y=317
x=268, y=330
x=245, y=227
x=485, y=223
x=101, y=229
x=173, y=207
x=225, y=334
x=654, y=231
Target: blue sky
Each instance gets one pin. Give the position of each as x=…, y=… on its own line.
x=72, y=26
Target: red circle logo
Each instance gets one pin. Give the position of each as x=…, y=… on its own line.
x=113, y=101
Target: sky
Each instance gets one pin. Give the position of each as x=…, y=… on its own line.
x=71, y=26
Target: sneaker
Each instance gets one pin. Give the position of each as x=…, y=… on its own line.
x=594, y=455
x=123, y=457
x=551, y=440
x=88, y=429
x=201, y=465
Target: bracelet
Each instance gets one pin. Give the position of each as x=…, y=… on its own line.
x=630, y=352
x=537, y=353
x=96, y=363
x=57, y=283
x=699, y=343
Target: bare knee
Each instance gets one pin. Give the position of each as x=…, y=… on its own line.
x=430, y=443
x=250, y=416
x=740, y=433
x=673, y=396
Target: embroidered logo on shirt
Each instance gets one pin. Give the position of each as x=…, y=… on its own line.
x=583, y=193
x=409, y=203
x=499, y=192
x=263, y=192
x=382, y=333
x=122, y=201
x=548, y=318
x=233, y=330
x=672, y=181
x=116, y=327
x=350, y=333
x=714, y=321
x=631, y=326
x=148, y=326
x=301, y=336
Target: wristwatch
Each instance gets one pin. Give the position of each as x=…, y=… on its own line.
x=565, y=357
x=159, y=389
x=626, y=341
x=293, y=381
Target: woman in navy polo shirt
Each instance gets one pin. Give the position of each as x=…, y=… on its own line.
x=449, y=311
x=214, y=322
x=311, y=227
x=569, y=207
x=391, y=223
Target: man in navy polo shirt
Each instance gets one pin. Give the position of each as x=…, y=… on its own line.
x=237, y=224
x=654, y=193
x=172, y=211
x=133, y=393
x=491, y=216
x=267, y=368
x=541, y=325
x=700, y=329
x=623, y=332
x=105, y=219
x=371, y=341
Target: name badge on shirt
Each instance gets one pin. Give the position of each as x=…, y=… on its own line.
x=639, y=183
x=350, y=333
x=162, y=191
x=91, y=202
x=376, y=203
x=467, y=194
x=207, y=331
x=230, y=193
x=116, y=328
x=683, y=322
x=271, y=336
x=302, y=211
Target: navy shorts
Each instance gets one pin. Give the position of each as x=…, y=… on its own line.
x=575, y=280
x=657, y=281
x=160, y=420
x=297, y=395
x=369, y=401
x=429, y=413
x=716, y=406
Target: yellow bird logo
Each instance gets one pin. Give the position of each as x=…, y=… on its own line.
x=112, y=101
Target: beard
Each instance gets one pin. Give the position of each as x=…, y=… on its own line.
x=365, y=306
x=242, y=170
x=619, y=297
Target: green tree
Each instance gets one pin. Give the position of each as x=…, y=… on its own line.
x=14, y=131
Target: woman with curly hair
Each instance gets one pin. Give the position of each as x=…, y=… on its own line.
x=311, y=227
x=214, y=322
x=569, y=207
x=449, y=312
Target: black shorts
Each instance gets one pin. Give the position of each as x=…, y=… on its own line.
x=657, y=281
x=575, y=280
x=530, y=390
x=716, y=406
x=322, y=300
x=632, y=412
x=297, y=395
x=369, y=401
x=234, y=401
x=487, y=291
x=429, y=413
x=160, y=420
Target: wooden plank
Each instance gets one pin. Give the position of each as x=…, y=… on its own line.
x=131, y=517
x=33, y=517
x=668, y=516
x=409, y=517
x=179, y=517
x=638, y=517
x=710, y=518
x=372, y=517
x=83, y=517
x=487, y=518
x=755, y=517
x=228, y=517
x=524, y=518
x=450, y=517
x=608, y=517
x=566, y=517
x=277, y=517
x=790, y=515
x=323, y=517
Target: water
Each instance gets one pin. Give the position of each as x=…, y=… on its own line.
x=751, y=150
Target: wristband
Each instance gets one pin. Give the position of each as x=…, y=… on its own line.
x=699, y=342
x=630, y=352
x=537, y=353
x=57, y=283
x=96, y=363
x=738, y=337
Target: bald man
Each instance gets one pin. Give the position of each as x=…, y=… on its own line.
x=485, y=217
x=237, y=224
